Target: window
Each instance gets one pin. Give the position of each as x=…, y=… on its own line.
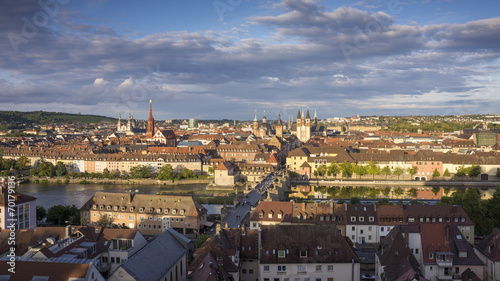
x=281, y=253
x=411, y=219
x=266, y=268
x=281, y=268
x=301, y=268
x=243, y=271
x=440, y=219
x=456, y=219
x=330, y=267
x=416, y=250
x=112, y=259
x=353, y=218
x=303, y=253
x=361, y=219
x=431, y=256
x=270, y=216
x=280, y=216
x=369, y=228
x=463, y=219
x=250, y=271
x=369, y=237
x=318, y=268
x=131, y=218
x=261, y=215
x=382, y=228
x=421, y=219
x=361, y=231
x=353, y=228
x=318, y=279
x=371, y=219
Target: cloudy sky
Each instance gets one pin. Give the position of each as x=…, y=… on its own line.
x=225, y=58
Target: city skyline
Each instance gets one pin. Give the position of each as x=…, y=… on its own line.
x=224, y=59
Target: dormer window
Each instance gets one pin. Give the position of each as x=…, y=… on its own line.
x=101, y=207
x=131, y=209
x=281, y=253
x=371, y=219
x=361, y=219
x=269, y=216
x=123, y=209
x=353, y=218
x=174, y=211
x=431, y=256
x=141, y=210
x=158, y=211
x=303, y=253
x=280, y=216
x=181, y=212
x=166, y=211
x=108, y=207
x=94, y=207
x=115, y=208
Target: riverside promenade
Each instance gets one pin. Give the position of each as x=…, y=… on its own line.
x=351, y=182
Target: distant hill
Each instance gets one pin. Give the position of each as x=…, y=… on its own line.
x=42, y=117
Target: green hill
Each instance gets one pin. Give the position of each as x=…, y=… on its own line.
x=17, y=118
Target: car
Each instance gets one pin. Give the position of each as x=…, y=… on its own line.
x=368, y=277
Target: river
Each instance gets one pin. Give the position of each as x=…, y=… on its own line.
x=50, y=194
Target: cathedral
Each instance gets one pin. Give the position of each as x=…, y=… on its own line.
x=128, y=128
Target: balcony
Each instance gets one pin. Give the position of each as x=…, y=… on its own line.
x=444, y=276
x=444, y=259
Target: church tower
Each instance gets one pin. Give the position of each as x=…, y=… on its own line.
x=151, y=123
x=279, y=127
x=119, y=125
x=315, y=118
x=256, y=125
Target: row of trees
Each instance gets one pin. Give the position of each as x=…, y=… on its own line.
x=47, y=169
x=348, y=169
x=59, y=215
x=372, y=192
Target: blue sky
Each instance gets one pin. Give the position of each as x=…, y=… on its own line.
x=226, y=58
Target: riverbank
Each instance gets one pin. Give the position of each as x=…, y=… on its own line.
x=396, y=183
x=63, y=180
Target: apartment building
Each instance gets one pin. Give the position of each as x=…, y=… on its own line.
x=150, y=214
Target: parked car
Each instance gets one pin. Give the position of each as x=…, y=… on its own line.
x=368, y=277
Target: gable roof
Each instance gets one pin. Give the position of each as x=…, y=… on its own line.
x=155, y=259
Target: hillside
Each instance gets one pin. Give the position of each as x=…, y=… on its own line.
x=17, y=118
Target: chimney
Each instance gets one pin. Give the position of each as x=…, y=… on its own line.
x=217, y=229
x=67, y=231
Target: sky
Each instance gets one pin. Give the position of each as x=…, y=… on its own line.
x=214, y=59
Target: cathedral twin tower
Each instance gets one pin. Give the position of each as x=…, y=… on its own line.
x=302, y=130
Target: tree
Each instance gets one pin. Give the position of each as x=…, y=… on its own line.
x=41, y=213
x=436, y=173
x=60, y=169
x=446, y=173
x=412, y=170
x=106, y=174
x=44, y=169
x=373, y=169
x=322, y=169
x=398, y=171
x=384, y=201
x=412, y=192
x=333, y=169
x=166, y=173
x=373, y=192
x=201, y=239
x=211, y=170
x=140, y=172
x=359, y=170
x=346, y=169
x=474, y=171
x=22, y=163
x=355, y=200
x=461, y=171
x=386, y=171
x=188, y=174
x=446, y=191
x=61, y=215
x=105, y=221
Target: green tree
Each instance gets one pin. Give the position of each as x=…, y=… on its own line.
x=474, y=171
x=436, y=173
x=322, y=169
x=461, y=171
x=446, y=191
x=355, y=200
x=106, y=174
x=22, y=163
x=359, y=170
x=105, y=220
x=373, y=169
x=188, y=174
x=41, y=213
x=45, y=169
x=386, y=171
x=333, y=169
x=62, y=215
x=373, y=192
x=398, y=171
x=166, y=173
x=201, y=239
x=493, y=206
x=60, y=169
x=384, y=201
x=446, y=173
x=412, y=170
x=346, y=169
x=140, y=172
x=211, y=170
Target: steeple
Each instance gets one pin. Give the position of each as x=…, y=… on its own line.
x=151, y=122
x=255, y=119
x=279, y=119
x=264, y=119
x=307, y=115
x=298, y=114
x=315, y=118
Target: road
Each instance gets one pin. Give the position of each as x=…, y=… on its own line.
x=236, y=217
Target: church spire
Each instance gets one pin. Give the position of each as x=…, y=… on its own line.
x=298, y=114
x=307, y=115
x=151, y=122
x=255, y=119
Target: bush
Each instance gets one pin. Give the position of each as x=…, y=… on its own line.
x=84, y=182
